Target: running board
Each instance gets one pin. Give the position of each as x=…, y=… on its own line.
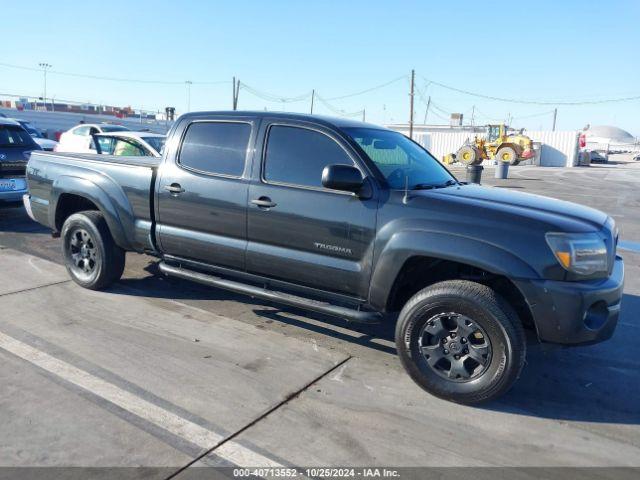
x=349, y=314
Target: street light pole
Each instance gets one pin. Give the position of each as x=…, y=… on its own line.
x=44, y=66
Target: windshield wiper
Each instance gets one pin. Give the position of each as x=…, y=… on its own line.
x=429, y=186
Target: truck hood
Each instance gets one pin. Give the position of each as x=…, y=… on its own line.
x=566, y=214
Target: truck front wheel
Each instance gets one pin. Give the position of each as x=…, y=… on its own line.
x=461, y=341
x=92, y=258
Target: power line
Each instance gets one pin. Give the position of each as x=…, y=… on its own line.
x=532, y=102
x=337, y=110
x=362, y=92
x=270, y=97
x=112, y=79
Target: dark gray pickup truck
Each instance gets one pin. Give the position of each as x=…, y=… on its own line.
x=349, y=219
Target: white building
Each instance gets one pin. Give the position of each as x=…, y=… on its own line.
x=608, y=138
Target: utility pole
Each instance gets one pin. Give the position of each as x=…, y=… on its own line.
x=364, y=114
x=233, y=93
x=313, y=96
x=45, y=66
x=426, y=112
x=473, y=112
x=236, y=92
x=413, y=78
x=188, y=84
x=555, y=116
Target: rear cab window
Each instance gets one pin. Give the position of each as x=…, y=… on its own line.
x=297, y=156
x=215, y=147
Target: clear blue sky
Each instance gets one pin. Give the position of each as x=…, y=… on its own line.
x=540, y=50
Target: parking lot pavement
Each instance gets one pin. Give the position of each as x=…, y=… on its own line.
x=161, y=372
x=184, y=378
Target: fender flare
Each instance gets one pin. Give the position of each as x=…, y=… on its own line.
x=445, y=246
x=108, y=197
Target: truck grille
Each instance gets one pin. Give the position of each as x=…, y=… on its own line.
x=13, y=169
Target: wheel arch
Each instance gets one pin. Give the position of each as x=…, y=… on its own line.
x=70, y=195
x=414, y=260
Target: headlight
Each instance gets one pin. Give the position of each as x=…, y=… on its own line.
x=581, y=253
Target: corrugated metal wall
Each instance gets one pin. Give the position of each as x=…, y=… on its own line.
x=558, y=149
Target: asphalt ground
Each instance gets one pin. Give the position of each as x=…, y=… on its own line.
x=170, y=375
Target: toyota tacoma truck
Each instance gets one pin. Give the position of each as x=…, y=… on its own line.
x=351, y=220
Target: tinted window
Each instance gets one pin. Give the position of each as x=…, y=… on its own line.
x=216, y=147
x=11, y=136
x=298, y=156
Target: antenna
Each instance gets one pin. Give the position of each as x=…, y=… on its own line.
x=405, y=199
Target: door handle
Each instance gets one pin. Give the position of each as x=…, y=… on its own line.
x=264, y=202
x=174, y=188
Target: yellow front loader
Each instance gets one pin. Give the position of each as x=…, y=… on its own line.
x=498, y=144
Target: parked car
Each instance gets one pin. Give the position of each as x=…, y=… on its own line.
x=598, y=157
x=40, y=139
x=637, y=157
x=137, y=144
x=15, y=147
x=80, y=138
x=351, y=220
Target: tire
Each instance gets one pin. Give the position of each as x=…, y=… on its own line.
x=91, y=256
x=454, y=310
x=468, y=155
x=507, y=154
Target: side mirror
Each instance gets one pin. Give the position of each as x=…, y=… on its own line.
x=342, y=177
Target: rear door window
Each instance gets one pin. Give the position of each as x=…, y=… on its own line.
x=297, y=156
x=11, y=136
x=218, y=148
x=83, y=131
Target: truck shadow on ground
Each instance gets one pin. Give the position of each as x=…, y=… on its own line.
x=16, y=220
x=598, y=383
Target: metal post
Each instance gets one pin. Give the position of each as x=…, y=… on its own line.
x=473, y=112
x=364, y=114
x=313, y=96
x=413, y=77
x=555, y=116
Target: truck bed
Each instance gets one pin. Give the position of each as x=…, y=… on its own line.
x=122, y=188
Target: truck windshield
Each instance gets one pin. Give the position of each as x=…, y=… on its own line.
x=401, y=161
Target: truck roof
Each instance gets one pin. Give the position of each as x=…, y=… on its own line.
x=338, y=122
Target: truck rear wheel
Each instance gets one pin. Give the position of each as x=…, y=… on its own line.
x=91, y=256
x=460, y=341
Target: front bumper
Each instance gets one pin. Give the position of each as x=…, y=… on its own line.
x=573, y=313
